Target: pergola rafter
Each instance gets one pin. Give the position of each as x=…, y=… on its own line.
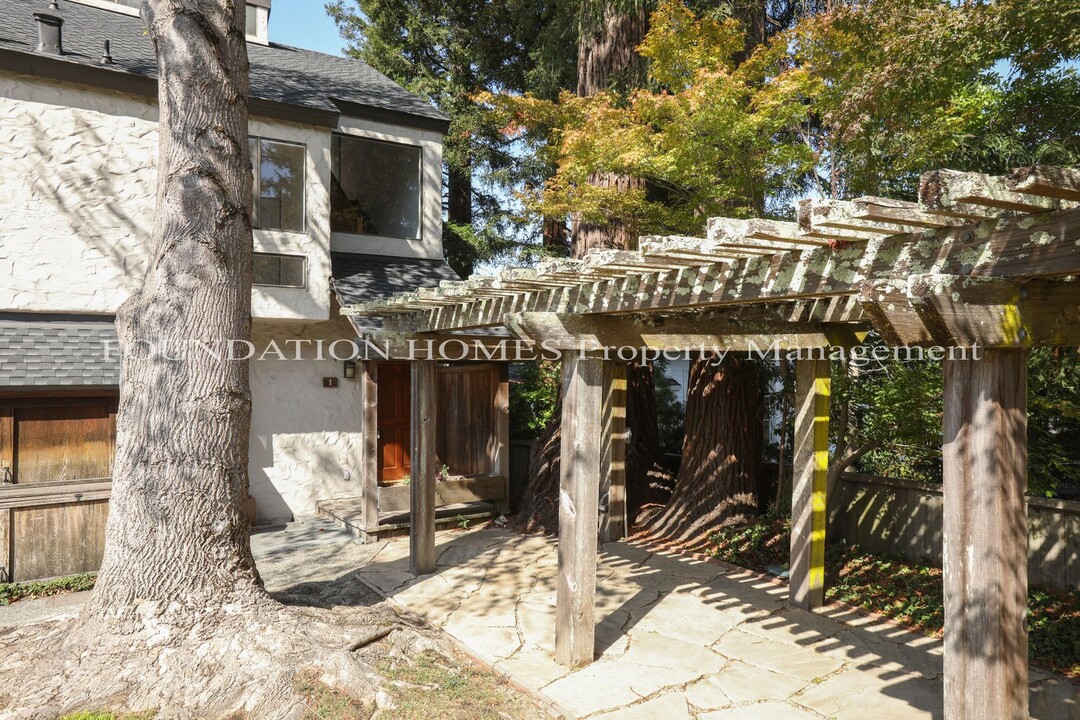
x=978, y=261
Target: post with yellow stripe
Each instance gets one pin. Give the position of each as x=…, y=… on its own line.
x=811, y=469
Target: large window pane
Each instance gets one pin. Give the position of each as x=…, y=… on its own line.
x=376, y=188
x=280, y=186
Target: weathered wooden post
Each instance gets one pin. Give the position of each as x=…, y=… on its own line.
x=500, y=454
x=579, y=489
x=806, y=585
x=613, y=452
x=985, y=477
x=422, y=483
x=369, y=452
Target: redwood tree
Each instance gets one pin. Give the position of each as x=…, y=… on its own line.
x=721, y=451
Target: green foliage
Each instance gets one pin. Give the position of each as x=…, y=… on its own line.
x=711, y=137
x=447, y=51
x=905, y=591
x=13, y=592
x=533, y=398
x=894, y=404
x=1054, y=422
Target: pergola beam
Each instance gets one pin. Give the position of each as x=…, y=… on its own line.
x=956, y=310
x=1051, y=182
x=752, y=329
x=951, y=190
x=1042, y=246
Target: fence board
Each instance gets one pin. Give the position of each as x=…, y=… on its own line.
x=904, y=519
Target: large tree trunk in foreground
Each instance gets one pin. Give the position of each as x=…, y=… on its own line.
x=177, y=531
x=721, y=452
x=179, y=621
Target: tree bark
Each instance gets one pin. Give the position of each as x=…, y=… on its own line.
x=608, y=60
x=721, y=454
x=177, y=530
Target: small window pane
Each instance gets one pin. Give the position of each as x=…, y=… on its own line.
x=281, y=186
x=251, y=21
x=279, y=270
x=376, y=188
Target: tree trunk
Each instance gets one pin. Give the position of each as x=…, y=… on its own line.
x=178, y=621
x=460, y=255
x=647, y=482
x=177, y=529
x=721, y=452
x=608, y=60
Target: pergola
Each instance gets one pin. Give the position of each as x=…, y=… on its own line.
x=984, y=266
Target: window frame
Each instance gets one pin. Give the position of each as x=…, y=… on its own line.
x=256, y=189
x=304, y=270
x=419, y=195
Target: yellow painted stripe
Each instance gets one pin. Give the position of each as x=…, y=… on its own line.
x=822, y=391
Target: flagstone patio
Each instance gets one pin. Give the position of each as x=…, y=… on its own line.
x=677, y=638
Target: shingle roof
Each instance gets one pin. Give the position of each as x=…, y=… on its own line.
x=57, y=350
x=359, y=278
x=279, y=73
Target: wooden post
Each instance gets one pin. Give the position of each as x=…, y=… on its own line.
x=422, y=490
x=806, y=585
x=500, y=456
x=369, y=452
x=579, y=488
x=985, y=528
x=613, y=452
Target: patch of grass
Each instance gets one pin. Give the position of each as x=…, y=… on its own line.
x=432, y=687
x=908, y=592
x=13, y=592
x=325, y=703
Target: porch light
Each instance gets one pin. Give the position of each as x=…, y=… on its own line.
x=350, y=369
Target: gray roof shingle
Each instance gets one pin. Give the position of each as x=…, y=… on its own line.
x=279, y=73
x=57, y=350
x=358, y=278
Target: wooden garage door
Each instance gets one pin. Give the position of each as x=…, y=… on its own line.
x=47, y=441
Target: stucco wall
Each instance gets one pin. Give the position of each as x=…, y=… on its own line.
x=304, y=437
x=78, y=183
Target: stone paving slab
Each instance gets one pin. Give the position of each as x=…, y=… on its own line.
x=678, y=638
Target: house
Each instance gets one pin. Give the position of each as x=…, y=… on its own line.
x=348, y=203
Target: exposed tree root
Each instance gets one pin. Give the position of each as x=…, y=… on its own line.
x=239, y=660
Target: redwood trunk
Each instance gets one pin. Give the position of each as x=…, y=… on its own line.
x=721, y=453
x=177, y=533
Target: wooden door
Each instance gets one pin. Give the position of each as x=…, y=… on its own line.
x=394, y=392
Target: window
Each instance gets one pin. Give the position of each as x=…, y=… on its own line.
x=279, y=184
x=251, y=20
x=375, y=187
x=279, y=270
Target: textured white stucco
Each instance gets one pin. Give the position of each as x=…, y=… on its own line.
x=303, y=436
x=77, y=187
x=77, y=192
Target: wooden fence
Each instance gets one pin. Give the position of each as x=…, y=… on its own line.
x=904, y=519
x=48, y=530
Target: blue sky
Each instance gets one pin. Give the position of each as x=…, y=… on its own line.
x=305, y=24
